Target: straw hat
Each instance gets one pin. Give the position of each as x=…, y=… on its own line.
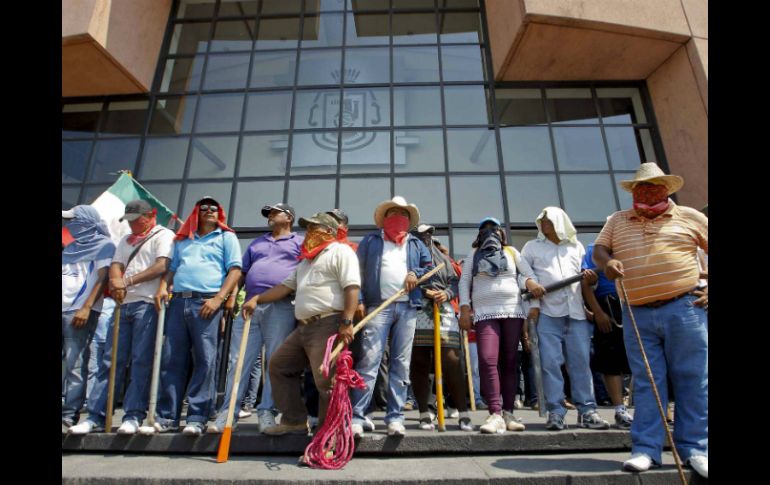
x=397, y=201
x=650, y=172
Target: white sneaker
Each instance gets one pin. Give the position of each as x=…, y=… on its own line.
x=84, y=428
x=368, y=424
x=357, y=430
x=639, y=462
x=396, y=429
x=465, y=424
x=193, y=429
x=242, y=413
x=147, y=430
x=129, y=427
x=426, y=422
x=453, y=413
x=493, y=424
x=266, y=420
x=700, y=463
x=511, y=423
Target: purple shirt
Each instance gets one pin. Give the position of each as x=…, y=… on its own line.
x=268, y=261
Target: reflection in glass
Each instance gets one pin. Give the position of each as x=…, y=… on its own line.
x=397, y=4
x=190, y=38
x=182, y=74
x=526, y=148
x=314, y=153
x=626, y=199
x=588, y=198
x=472, y=150
x=168, y=193
x=367, y=29
x=414, y=28
x=272, y=69
x=580, y=149
x=74, y=160
x=357, y=5
x=219, y=112
x=164, y=158
x=419, y=151
x=233, y=35
x=359, y=197
x=173, y=115
x=278, y=33
x=416, y=106
x=460, y=27
x=629, y=147
x=213, y=157
x=125, y=118
x=317, y=108
x=366, y=108
x=111, y=156
x=80, y=120
x=268, y=111
x=311, y=196
x=228, y=71
x=586, y=238
x=519, y=106
x=415, y=64
x=365, y=152
x=571, y=105
x=474, y=196
x=462, y=63
x=250, y=199
x=466, y=105
x=69, y=197
x=462, y=240
x=320, y=67
x=220, y=191
x=367, y=65
x=195, y=9
x=237, y=8
x=91, y=193
x=621, y=105
x=428, y=193
x=280, y=6
x=313, y=6
x=520, y=237
x=323, y=30
x=263, y=155
x=528, y=194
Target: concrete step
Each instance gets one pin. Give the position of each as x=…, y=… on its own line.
x=554, y=469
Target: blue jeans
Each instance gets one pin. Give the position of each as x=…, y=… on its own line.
x=474, y=358
x=675, y=339
x=97, y=343
x=75, y=342
x=566, y=339
x=255, y=379
x=136, y=345
x=398, y=320
x=271, y=323
x=186, y=329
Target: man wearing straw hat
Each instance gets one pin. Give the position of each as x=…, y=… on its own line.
x=652, y=249
x=390, y=259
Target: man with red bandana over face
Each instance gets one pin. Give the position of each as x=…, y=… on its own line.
x=390, y=259
x=140, y=260
x=653, y=248
x=342, y=231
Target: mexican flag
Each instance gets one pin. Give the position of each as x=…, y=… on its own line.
x=111, y=206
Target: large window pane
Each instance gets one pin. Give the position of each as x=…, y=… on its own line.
x=520, y=237
x=474, y=197
x=263, y=155
x=472, y=150
x=278, y=33
x=271, y=69
x=416, y=106
x=409, y=4
x=213, y=157
x=359, y=197
x=233, y=35
x=228, y=71
x=164, y=158
x=311, y=196
x=415, y=64
x=233, y=8
x=580, y=149
x=466, y=105
x=462, y=240
x=91, y=193
x=458, y=3
x=621, y=105
x=526, y=148
x=414, y=28
x=519, y=106
x=365, y=152
x=629, y=147
x=588, y=198
x=367, y=29
x=314, y=6
x=428, y=193
x=173, y=115
x=80, y=120
x=357, y=5
x=462, y=63
x=460, y=27
x=251, y=198
x=268, y=111
x=190, y=38
x=125, y=118
x=182, y=74
x=314, y=153
x=323, y=30
x=319, y=67
x=280, y=6
x=168, y=193
x=317, y=109
x=364, y=107
x=74, y=160
x=528, y=194
x=367, y=65
x=220, y=191
x=69, y=197
x=419, y=151
x=571, y=105
x=111, y=156
x=219, y=112
x=195, y=9
x=626, y=199
x=587, y=238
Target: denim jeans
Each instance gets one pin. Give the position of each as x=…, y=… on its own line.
x=675, y=339
x=566, y=339
x=186, y=329
x=97, y=343
x=270, y=325
x=398, y=320
x=136, y=345
x=474, y=357
x=75, y=342
x=255, y=379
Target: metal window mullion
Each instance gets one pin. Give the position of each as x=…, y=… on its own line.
x=290, y=140
x=606, y=145
x=343, y=55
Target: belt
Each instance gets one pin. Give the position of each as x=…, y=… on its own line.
x=660, y=303
x=192, y=294
x=315, y=318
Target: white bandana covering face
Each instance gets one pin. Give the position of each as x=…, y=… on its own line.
x=561, y=224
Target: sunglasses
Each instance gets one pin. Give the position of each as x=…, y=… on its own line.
x=206, y=207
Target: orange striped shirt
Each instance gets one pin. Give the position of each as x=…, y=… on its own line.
x=659, y=255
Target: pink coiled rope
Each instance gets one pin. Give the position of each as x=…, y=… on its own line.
x=333, y=445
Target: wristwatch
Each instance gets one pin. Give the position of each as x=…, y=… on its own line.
x=346, y=321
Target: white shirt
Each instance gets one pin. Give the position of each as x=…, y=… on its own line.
x=393, y=270
x=552, y=263
x=160, y=246
x=77, y=282
x=319, y=284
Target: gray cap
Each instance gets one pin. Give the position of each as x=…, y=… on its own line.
x=279, y=207
x=136, y=209
x=339, y=214
x=321, y=218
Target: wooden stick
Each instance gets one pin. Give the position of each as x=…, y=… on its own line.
x=156, y=364
x=437, y=372
x=466, y=347
x=224, y=442
x=113, y=363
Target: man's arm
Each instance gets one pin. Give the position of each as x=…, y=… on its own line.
x=613, y=268
x=351, y=303
x=161, y=296
x=211, y=305
x=81, y=316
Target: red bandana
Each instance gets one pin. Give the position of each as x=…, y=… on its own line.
x=396, y=227
x=315, y=242
x=650, y=201
x=142, y=230
x=191, y=224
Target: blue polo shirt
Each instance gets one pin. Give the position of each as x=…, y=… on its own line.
x=201, y=264
x=604, y=286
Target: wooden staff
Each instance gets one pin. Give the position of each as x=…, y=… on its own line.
x=113, y=363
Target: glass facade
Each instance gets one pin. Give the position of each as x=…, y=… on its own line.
x=345, y=103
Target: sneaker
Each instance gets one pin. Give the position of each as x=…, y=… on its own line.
x=409, y=406
x=266, y=419
x=84, y=428
x=452, y=413
x=517, y=404
x=623, y=419
x=511, y=423
x=67, y=422
x=699, y=463
x=243, y=413
x=639, y=462
x=215, y=428
x=395, y=428
x=481, y=406
x=282, y=429
x=465, y=424
x=426, y=422
x=164, y=428
x=357, y=430
x=592, y=420
x=555, y=422
x=130, y=426
x=368, y=424
x=193, y=429
x=493, y=424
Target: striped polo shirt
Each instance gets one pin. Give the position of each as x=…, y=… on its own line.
x=658, y=255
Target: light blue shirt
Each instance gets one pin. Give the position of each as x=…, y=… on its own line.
x=201, y=264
